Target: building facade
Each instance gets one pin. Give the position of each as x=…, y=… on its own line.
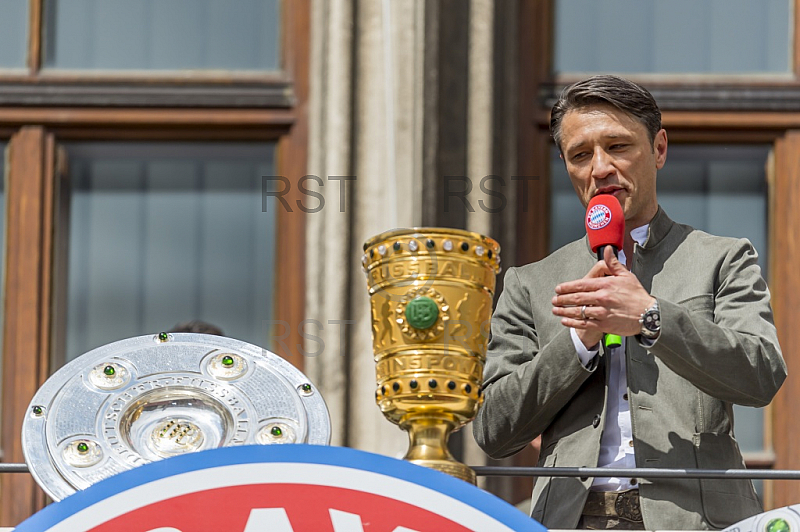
x=169, y=161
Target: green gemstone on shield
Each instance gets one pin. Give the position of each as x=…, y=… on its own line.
x=778, y=525
x=38, y=410
x=422, y=312
x=163, y=336
x=110, y=371
x=82, y=447
x=277, y=432
x=227, y=360
x=306, y=388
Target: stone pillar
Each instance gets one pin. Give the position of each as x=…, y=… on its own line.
x=404, y=94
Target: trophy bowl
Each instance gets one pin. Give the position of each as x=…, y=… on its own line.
x=431, y=292
x=152, y=397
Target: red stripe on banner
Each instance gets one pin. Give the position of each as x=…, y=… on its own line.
x=307, y=507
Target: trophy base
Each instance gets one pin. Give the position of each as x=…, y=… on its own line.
x=452, y=468
x=428, y=437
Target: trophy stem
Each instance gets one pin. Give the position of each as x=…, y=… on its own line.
x=428, y=438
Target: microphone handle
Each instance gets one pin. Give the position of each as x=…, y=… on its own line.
x=602, y=249
x=610, y=340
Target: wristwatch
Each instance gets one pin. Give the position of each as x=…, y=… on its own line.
x=651, y=322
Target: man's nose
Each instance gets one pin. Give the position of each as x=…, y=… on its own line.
x=601, y=164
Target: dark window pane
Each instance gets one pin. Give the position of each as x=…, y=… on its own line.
x=162, y=34
x=13, y=33
x=167, y=233
x=679, y=36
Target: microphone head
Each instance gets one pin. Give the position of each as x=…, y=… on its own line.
x=605, y=223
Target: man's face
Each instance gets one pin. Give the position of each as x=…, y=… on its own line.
x=606, y=151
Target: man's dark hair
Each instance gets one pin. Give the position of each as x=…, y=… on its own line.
x=197, y=326
x=617, y=92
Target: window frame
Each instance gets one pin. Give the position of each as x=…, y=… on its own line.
x=695, y=109
x=791, y=76
x=166, y=89
x=768, y=92
x=37, y=111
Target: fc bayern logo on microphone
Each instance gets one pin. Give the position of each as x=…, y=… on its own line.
x=598, y=217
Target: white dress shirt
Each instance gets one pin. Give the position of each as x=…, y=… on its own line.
x=616, y=442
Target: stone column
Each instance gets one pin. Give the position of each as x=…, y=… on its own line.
x=403, y=95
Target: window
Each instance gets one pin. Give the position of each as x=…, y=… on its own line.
x=13, y=34
x=161, y=35
x=725, y=75
x=680, y=36
x=219, y=105
x=168, y=233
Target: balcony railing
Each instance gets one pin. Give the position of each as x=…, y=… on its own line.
x=639, y=472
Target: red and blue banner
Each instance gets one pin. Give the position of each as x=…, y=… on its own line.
x=281, y=488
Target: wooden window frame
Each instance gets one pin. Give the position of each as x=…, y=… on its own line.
x=37, y=111
x=154, y=89
x=704, y=109
x=762, y=93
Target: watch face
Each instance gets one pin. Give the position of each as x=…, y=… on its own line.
x=652, y=321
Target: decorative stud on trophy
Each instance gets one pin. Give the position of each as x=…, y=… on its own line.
x=431, y=293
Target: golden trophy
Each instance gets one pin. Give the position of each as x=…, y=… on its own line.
x=431, y=293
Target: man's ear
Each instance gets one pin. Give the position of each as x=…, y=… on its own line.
x=660, y=148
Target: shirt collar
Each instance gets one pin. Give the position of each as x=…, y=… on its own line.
x=640, y=234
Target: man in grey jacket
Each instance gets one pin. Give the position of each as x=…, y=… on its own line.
x=698, y=337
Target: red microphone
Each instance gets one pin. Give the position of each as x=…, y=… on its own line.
x=605, y=224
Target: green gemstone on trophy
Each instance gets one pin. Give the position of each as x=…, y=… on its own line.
x=276, y=431
x=37, y=410
x=109, y=371
x=778, y=525
x=307, y=388
x=163, y=336
x=422, y=312
x=82, y=447
x=227, y=360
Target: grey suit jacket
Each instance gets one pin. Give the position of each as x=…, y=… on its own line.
x=718, y=347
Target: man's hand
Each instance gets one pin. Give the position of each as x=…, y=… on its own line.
x=614, y=299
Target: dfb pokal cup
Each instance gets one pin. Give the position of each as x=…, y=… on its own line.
x=431, y=292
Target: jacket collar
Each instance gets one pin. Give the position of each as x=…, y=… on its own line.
x=660, y=226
